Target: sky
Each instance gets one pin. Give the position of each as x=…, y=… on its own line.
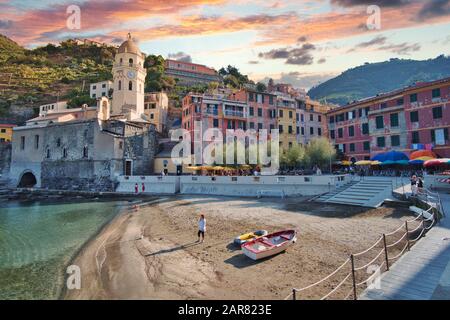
x=301, y=42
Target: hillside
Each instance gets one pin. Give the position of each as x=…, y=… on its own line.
x=372, y=78
x=29, y=78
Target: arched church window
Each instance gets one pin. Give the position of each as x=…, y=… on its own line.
x=130, y=85
x=121, y=61
x=85, y=152
x=48, y=153
x=120, y=85
x=131, y=62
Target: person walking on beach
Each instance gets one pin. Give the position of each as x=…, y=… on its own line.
x=201, y=228
x=414, y=185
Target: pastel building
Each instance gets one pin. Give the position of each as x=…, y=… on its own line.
x=6, y=131
x=101, y=89
x=156, y=108
x=406, y=119
x=190, y=73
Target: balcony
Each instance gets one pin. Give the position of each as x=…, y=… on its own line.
x=234, y=113
x=213, y=112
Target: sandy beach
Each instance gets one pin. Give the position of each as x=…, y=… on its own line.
x=151, y=252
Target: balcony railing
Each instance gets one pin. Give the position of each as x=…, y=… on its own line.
x=212, y=112
x=233, y=113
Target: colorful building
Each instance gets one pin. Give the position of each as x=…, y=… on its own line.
x=190, y=73
x=405, y=120
x=6, y=131
x=156, y=108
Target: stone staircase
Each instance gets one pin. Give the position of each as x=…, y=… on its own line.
x=370, y=192
x=328, y=195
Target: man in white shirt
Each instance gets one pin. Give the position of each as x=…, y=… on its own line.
x=201, y=228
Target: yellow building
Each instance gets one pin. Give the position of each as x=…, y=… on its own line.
x=156, y=107
x=286, y=118
x=6, y=132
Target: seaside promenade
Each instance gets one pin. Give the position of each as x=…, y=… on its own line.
x=424, y=272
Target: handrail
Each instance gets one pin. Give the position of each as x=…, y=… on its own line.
x=379, y=254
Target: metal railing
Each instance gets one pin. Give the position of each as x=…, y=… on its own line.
x=351, y=276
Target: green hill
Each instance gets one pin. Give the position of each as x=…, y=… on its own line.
x=373, y=78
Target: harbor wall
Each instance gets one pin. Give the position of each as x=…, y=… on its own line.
x=247, y=186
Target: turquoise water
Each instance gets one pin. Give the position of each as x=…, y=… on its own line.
x=37, y=241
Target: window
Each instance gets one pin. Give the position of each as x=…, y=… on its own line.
x=436, y=93
x=311, y=130
x=383, y=105
x=319, y=131
x=103, y=94
x=271, y=100
x=298, y=130
x=48, y=154
x=332, y=134
x=400, y=102
x=280, y=113
x=290, y=131
x=352, y=147
x=130, y=61
x=290, y=115
x=260, y=126
x=86, y=150
x=340, y=133
x=104, y=85
x=365, y=128
x=64, y=153
x=303, y=131
x=22, y=143
x=121, y=145
x=319, y=118
x=394, y=119
x=332, y=119
x=311, y=117
x=94, y=87
x=414, y=116
x=360, y=112
x=250, y=97
x=36, y=141
x=272, y=127
x=302, y=118
x=366, y=145
x=130, y=85
x=280, y=128
x=351, y=131
x=152, y=116
x=120, y=85
x=216, y=123
x=252, y=125
x=3, y=131
x=395, y=141
x=439, y=136
x=251, y=111
x=94, y=96
x=381, y=142
x=413, y=97
x=379, y=122
x=415, y=137
x=297, y=117
x=290, y=145
x=260, y=112
x=437, y=112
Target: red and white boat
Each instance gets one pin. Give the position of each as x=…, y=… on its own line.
x=269, y=245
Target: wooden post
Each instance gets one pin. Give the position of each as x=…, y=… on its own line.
x=294, y=294
x=385, y=252
x=407, y=234
x=353, y=277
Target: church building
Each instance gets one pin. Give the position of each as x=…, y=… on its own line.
x=88, y=148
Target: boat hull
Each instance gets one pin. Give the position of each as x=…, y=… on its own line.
x=269, y=246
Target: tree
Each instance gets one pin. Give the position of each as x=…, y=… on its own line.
x=233, y=78
x=320, y=152
x=213, y=86
x=261, y=87
x=156, y=79
x=294, y=157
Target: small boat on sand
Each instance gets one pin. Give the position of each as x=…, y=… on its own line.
x=269, y=245
x=249, y=236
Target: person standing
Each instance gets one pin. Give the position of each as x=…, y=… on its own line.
x=420, y=185
x=414, y=185
x=143, y=188
x=201, y=228
x=136, y=188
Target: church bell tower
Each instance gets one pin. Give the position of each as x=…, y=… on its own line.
x=129, y=81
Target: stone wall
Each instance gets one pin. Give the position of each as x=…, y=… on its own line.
x=142, y=149
x=5, y=158
x=79, y=175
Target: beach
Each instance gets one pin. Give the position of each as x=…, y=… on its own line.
x=150, y=252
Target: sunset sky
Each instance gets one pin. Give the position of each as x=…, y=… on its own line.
x=297, y=41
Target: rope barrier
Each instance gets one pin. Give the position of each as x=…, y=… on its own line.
x=393, y=232
x=420, y=236
x=375, y=244
x=401, y=252
x=372, y=276
x=414, y=230
x=324, y=279
x=370, y=263
x=397, y=242
x=337, y=287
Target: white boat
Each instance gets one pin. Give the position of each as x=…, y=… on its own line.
x=269, y=245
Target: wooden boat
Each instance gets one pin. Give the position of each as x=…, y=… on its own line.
x=249, y=236
x=269, y=245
